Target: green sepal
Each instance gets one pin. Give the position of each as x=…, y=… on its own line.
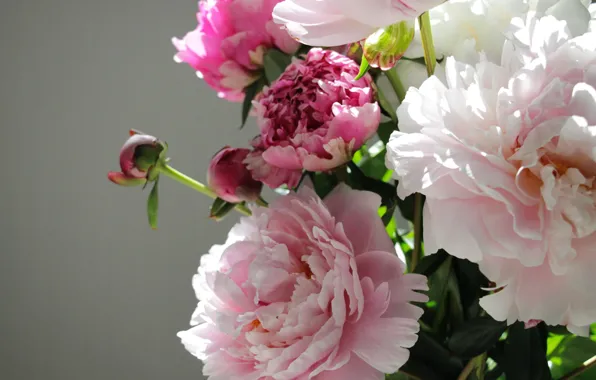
x=275, y=63
x=249, y=94
x=363, y=68
x=220, y=208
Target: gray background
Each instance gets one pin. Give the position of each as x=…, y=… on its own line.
x=88, y=290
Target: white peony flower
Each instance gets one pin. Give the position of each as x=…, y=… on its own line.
x=507, y=149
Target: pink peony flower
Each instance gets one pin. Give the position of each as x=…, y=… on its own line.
x=336, y=22
x=508, y=150
x=305, y=289
x=228, y=46
x=313, y=117
x=229, y=177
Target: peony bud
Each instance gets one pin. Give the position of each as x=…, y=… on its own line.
x=387, y=45
x=229, y=177
x=137, y=156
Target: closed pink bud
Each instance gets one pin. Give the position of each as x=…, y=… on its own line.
x=138, y=155
x=229, y=177
x=130, y=152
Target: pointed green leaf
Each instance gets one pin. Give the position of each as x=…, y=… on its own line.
x=220, y=208
x=152, y=205
x=275, y=63
x=363, y=68
x=430, y=263
x=249, y=94
x=475, y=336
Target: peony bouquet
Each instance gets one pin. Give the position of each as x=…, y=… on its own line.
x=435, y=174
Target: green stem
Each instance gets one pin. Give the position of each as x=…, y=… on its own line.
x=426, y=35
x=396, y=84
x=475, y=363
x=430, y=60
x=442, y=301
x=578, y=371
x=182, y=178
x=417, y=252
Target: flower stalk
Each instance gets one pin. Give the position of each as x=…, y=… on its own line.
x=182, y=178
x=430, y=61
x=396, y=84
x=579, y=370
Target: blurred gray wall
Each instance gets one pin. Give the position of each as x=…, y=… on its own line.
x=88, y=290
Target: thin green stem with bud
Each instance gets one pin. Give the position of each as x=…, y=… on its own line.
x=182, y=178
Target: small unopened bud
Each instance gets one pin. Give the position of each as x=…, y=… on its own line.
x=387, y=45
x=532, y=323
x=137, y=156
x=229, y=177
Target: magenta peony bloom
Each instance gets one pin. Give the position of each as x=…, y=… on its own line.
x=336, y=22
x=138, y=154
x=508, y=150
x=229, y=177
x=228, y=46
x=305, y=289
x=313, y=117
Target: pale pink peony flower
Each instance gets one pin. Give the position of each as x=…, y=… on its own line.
x=336, y=22
x=508, y=150
x=305, y=289
x=313, y=117
x=229, y=177
x=227, y=47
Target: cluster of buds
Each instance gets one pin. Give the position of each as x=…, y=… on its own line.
x=142, y=160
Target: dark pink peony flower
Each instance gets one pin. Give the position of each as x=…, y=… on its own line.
x=305, y=289
x=313, y=117
x=227, y=47
x=229, y=177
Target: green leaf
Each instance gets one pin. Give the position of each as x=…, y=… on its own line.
x=358, y=180
x=363, y=68
x=323, y=183
x=430, y=263
x=385, y=130
x=275, y=63
x=430, y=360
x=152, y=205
x=249, y=94
x=397, y=376
x=220, y=208
x=471, y=282
x=374, y=167
x=525, y=354
x=386, y=107
x=475, y=336
x=567, y=352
